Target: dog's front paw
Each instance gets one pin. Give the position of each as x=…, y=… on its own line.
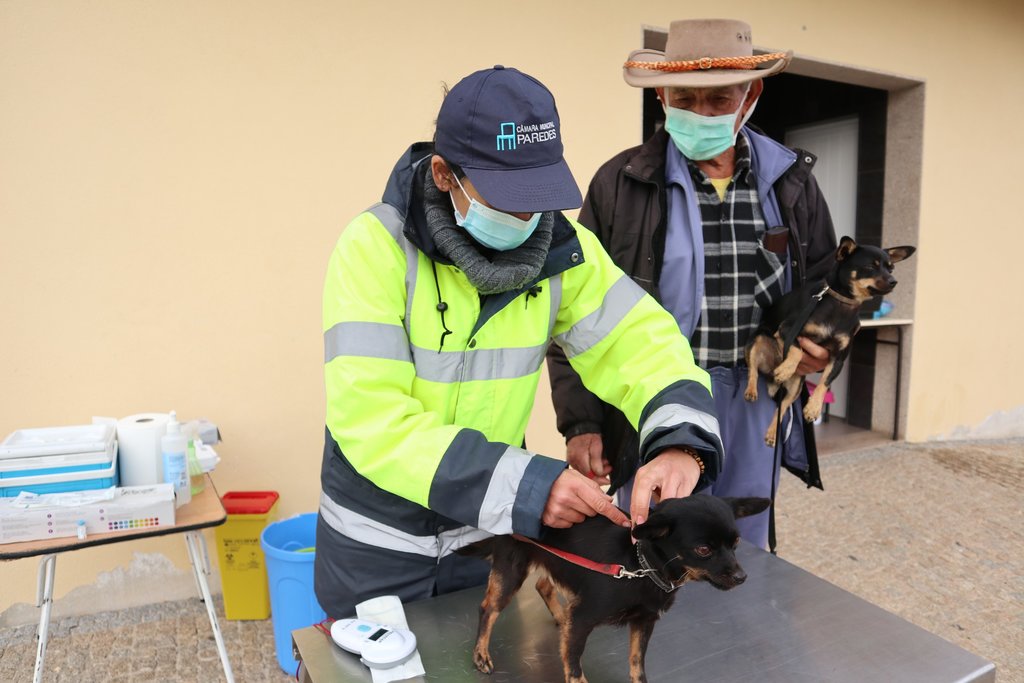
x=812, y=411
x=769, y=439
x=750, y=394
x=781, y=374
x=482, y=660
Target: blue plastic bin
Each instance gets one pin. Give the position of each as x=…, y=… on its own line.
x=287, y=546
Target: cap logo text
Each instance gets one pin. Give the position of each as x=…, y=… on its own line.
x=513, y=134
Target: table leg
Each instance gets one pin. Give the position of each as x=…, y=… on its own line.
x=196, y=554
x=44, y=599
x=899, y=377
x=899, y=372
x=205, y=566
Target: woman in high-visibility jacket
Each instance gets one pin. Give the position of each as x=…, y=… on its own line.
x=439, y=305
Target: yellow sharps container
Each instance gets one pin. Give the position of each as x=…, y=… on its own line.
x=243, y=573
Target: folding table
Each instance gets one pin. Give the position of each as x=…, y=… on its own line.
x=204, y=510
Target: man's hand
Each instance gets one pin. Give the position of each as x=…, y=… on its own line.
x=585, y=454
x=574, y=497
x=671, y=474
x=815, y=357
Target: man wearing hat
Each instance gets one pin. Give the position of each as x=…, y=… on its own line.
x=716, y=221
x=439, y=305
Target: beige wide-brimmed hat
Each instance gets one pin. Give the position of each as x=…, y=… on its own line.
x=703, y=53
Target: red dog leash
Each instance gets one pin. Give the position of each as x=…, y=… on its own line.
x=616, y=571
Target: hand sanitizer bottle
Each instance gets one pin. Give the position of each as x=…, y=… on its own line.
x=172, y=447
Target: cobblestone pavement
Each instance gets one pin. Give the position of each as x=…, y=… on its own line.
x=168, y=642
x=932, y=532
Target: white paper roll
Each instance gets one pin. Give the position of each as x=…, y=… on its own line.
x=138, y=448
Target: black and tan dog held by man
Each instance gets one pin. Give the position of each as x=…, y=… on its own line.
x=827, y=313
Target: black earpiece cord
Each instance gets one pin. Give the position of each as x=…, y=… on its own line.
x=534, y=292
x=441, y=307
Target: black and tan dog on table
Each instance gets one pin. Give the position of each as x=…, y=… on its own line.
x=685, y=539
x=827, y=313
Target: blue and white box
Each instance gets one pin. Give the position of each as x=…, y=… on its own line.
x=58, y=459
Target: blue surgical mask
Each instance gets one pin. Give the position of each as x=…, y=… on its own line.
x=492, y=228
x=703, y=137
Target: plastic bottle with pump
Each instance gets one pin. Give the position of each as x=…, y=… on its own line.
x=173, y=447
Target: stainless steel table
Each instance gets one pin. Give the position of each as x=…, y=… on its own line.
x=782, y=625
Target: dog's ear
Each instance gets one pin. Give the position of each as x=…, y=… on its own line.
x=846, y=247
x=897, y=254
x=658, y=525
x=745, y=507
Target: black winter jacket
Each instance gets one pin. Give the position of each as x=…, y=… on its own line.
x=626, y=206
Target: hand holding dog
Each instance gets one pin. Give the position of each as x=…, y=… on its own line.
x=673, y=473
x=574, y=497
x=585, y=454
x=815, y=357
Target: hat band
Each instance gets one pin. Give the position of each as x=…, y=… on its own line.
x=707, y=63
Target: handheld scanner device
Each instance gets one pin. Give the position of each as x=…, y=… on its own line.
x=379, y=646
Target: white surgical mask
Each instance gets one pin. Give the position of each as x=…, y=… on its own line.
x=492, y=228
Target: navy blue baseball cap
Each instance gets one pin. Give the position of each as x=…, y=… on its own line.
x=501, y=126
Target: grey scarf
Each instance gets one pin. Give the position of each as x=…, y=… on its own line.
x=493, y=272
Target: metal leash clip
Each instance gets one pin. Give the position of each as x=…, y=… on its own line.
x=638, y=574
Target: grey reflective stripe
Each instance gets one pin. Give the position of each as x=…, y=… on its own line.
x=676, y=414
x=450, y=541
x=371, y=532
x=369, y=340
x=411, y=270
x=496, y=508
x=555, y=290
x=390, y=218
x=477, y=364
x=394, y=223
x=619, y=300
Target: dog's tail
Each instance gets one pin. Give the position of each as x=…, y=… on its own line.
x=482, y=549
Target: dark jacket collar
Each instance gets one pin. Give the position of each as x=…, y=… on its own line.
x=647, y=163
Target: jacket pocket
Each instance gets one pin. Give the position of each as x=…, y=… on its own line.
x=776, y=240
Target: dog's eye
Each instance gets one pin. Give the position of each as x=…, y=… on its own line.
x=878, y=264
x=702, y=551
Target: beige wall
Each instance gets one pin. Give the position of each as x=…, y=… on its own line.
x=173, y=176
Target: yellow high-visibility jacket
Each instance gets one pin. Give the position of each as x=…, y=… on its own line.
x=430, y=386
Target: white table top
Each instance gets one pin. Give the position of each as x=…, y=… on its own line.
x=886, y=322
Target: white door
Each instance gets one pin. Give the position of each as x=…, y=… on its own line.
x=835, y=145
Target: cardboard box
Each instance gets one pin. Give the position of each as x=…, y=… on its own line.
x=31, y=517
